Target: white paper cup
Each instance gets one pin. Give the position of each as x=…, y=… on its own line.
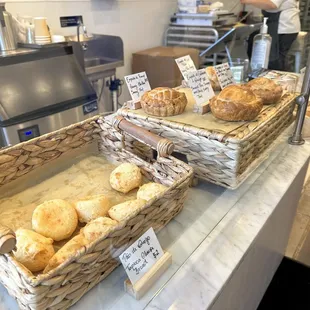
x=40, y=27
x=43, y=41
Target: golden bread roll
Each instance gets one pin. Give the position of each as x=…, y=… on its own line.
x=90, y=208
x=122, y=211
x=97, y=228
x=125, y=178
x=69, y=250
x=56, y=219
x=236, y=103
x=150, y=190
x=213, y=78
x=163, y=101
x=266, y=89
x=33, y=250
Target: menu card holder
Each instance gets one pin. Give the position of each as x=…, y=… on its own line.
x=133, y=104
x=141, y=287
x=202, y=109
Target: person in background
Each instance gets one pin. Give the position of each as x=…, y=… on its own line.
x=283, y=26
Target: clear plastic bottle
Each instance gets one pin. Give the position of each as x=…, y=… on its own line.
x=261, y=48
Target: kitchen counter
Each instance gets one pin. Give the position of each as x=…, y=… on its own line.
x=226, y=245
x=18, y=51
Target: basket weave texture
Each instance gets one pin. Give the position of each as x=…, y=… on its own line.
x=221, y=156
x=66, y=284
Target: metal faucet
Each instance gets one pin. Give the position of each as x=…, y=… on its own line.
x=83, y=44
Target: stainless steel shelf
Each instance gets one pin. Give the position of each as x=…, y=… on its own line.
x=194, y=37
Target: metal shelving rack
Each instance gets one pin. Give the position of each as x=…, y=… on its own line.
x=196, y=37
x=198, y=31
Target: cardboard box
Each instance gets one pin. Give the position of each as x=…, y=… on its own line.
x=160, y=66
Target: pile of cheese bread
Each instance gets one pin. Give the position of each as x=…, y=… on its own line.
x=57, y=220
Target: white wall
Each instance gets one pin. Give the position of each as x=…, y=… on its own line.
x=139, y=23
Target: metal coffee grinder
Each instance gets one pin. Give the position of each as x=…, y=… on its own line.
x=7, y=36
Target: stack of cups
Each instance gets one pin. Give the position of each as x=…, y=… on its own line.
x=42, y=33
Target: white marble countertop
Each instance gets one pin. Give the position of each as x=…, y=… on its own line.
x=207, y=239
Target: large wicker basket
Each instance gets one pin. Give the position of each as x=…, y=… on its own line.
x=224, y=153
x=65, y=285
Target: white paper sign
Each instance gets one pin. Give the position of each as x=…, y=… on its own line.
x=137, y=84
x=201, y=87
x=224, y=75
x=186, y=65
x=139, y=258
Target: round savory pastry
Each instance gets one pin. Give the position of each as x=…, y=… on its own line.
x=90, y=208
x=56, y=219
x=125, y=178
x=150, y=190
x=69, y=250
x=97, y=228
x=266, y=89
x=163, y=101
x=33, y=250
x=236, y=103
x=122, y=211
x=213, y=78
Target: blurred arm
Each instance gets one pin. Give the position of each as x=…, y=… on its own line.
x=264, y=4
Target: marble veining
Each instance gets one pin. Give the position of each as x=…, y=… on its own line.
x=207, y=239
x=221, y=252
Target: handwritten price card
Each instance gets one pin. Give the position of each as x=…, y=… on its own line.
x=137, y=84
x=201, y=87
x=224, y=75
x=140, y=257
x=186, y=65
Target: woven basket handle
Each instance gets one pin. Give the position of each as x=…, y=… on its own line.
x=163, y=146
x=7, y=240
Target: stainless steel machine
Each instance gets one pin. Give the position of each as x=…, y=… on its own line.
x=7, y=37
x=41, y=92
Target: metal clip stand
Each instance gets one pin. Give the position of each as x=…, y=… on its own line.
x=302, y=102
